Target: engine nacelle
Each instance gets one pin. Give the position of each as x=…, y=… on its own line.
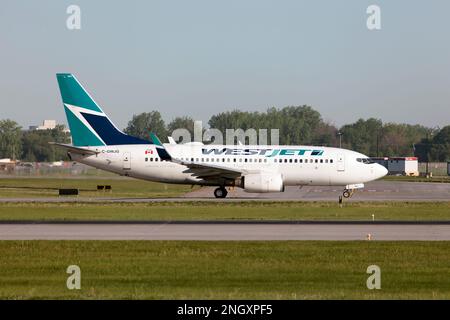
x=263, y=182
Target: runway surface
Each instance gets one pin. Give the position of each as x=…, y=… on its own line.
x=224, y=231
x=374, y=191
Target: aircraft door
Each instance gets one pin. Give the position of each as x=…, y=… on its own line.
x=126, y=161
x=340, y=162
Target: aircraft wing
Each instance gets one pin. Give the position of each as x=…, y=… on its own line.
x=208, y=171
x=73, y=149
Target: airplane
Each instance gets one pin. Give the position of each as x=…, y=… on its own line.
x=97, y=142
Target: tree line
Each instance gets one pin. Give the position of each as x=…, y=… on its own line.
x=31, y=145
x=303, y=125
x=298, y=125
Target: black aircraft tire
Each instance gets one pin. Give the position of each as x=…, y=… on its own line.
x=220, y=193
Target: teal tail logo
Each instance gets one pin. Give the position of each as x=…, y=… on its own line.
x=88, y=124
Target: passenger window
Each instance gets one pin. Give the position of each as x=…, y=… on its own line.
x=317, y=161
x=290, y=160
x=321, y=160
x=156, y=159
x=301, y=161
x=331, y=160
x=285, y=160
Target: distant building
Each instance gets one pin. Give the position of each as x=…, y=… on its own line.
x=7, y=165
x=408, y=166
x=47, y=125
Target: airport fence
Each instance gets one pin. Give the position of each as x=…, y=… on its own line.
x=60, y=169
x=436, y=168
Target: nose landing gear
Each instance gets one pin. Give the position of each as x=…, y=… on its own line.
x=350, y=189
x=220, y=192
x=347, y=193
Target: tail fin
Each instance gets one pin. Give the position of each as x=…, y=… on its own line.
x=88, y=124
x=162, y=152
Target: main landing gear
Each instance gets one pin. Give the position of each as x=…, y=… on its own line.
x=220, y=192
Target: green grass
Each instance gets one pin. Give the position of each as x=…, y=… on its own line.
x=121, y=187
x=363, y=211
x=224, y=270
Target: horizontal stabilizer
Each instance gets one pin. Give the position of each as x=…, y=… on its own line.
x=74, y=149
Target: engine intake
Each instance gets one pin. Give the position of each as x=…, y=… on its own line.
x=263, y=182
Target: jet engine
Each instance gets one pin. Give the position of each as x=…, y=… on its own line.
x=263, y=182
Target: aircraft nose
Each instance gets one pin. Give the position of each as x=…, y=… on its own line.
x=381, y=171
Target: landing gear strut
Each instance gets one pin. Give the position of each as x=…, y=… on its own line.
x=220, y=192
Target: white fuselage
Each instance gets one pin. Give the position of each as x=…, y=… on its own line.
x=298, y=165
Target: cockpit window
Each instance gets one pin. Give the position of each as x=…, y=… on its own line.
x=365, y=160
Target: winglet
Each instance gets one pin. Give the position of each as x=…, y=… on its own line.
x=171, y=140
x=162, y=152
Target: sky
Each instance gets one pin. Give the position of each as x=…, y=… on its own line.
x=202, y=57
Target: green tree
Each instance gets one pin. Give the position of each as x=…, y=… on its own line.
x=325, y=134
x=36, y=145
x=440, y=145
x=296, y=124
x=10, y=144
x=142, y=124
x=181, y=123
x=362, y=136
x=398, y=139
